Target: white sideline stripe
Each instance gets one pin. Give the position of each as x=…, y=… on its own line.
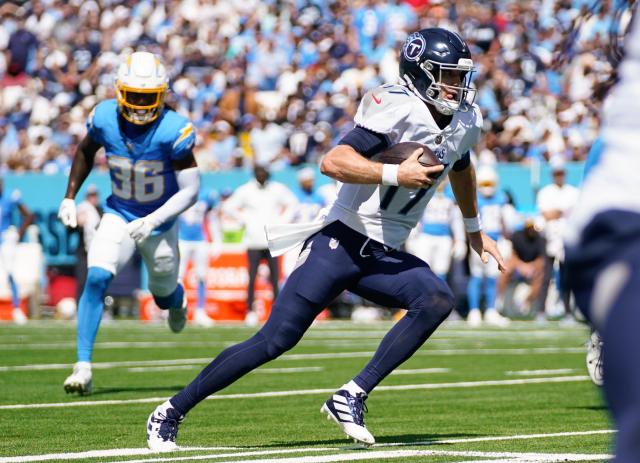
x=420, y=371
x=145, y=451
x=100, y=454
x=386, y=454
x=405, y=387
x=205, y=360
x=288, y=370
x=171, y=368
x=559, y=371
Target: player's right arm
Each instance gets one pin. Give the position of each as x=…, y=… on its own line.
x=80, y=168
x=348, y=162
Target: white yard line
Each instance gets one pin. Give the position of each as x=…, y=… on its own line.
x=145, y=451
x=387, y=454
x=315, y=356
x=405, y=387
x=191, y=367
x=559, y=371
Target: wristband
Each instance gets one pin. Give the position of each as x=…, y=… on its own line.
x=472, y=224
x=390, y=174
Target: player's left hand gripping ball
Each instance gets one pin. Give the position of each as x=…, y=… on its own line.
x=139, y=230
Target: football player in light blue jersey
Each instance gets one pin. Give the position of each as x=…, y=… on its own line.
x=9, y=238
x=199, y=237
x=491, y=203
x=154, y=178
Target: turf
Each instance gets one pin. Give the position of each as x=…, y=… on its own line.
x=135, y=361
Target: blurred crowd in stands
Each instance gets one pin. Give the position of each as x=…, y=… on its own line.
x=278, y=82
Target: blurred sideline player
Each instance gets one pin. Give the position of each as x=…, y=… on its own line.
x=603, y=250
x=9, y=239
x=484, y=278
x=356, y=246
x=154, y=178
x=440, y=233
x=310, y=202
x=199, y=238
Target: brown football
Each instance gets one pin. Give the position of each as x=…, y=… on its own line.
x=399, y=152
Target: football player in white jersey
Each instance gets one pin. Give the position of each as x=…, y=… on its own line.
x=356, y=245
x=603, y=250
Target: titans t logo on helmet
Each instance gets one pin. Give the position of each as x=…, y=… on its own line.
x=414, y=46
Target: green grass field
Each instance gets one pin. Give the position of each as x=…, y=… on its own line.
x=488, y=395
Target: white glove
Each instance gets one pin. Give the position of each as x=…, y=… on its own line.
x=67, y=213
x=140, y=229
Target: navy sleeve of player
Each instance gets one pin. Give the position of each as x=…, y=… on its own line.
x=463, y=162
x=366, y=142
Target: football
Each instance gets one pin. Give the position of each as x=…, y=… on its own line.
x=399, y=152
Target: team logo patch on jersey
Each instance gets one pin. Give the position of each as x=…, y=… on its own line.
x=439, y=139
x=440, y=153
x=414, y=47
x=333, y=243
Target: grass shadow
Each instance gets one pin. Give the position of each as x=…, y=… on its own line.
x=402, y=439
x=114, y=390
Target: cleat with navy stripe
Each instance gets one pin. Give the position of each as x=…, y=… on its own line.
x=348, y=413
x=162, y=428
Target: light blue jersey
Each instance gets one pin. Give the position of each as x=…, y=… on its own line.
x=192, y=221
x=8, y=205
x=491, y=213
x=140, y=159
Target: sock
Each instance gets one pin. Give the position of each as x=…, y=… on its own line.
x=172, y=301
x=15, y=299
x=84, y=364
x=353, y=388
x=90, y=310
x=473, y=291
x=490, y=285
x=201, y=294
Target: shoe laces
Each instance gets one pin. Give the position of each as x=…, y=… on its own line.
x=168, y=429
x=359, y=407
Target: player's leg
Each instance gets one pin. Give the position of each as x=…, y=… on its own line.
x=474, y=289
x=200, y=265
x=274, y=272
x=491, y=314
x=321, y=274
x=161, y=257
x=10, y=240
x=110, y=249
x=396, y=279
x=253, y=258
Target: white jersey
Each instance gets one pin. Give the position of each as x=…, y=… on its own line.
x=613, y=183
x=388, y=213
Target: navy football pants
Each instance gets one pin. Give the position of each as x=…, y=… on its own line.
x=334, y=259
x=604, y=274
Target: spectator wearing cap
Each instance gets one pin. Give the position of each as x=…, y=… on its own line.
x=255, y=204
x=555, y=202
x=89, y=212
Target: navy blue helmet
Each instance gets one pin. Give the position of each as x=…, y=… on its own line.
x=433, y=60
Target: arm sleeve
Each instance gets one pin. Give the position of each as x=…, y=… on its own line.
x=187, y=195
x=366, y=142
x=463, y=162
x=186, y=139
x=93, y=129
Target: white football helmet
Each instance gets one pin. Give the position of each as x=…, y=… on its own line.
x=141, y=85
x=487, y=179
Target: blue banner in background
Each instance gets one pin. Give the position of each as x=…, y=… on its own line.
x=43, y=193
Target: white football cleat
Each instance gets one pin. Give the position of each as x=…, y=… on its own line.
x=594, y=359
x=493, y=318
x=474, y=318
x=178, y=317
x=162, y=428
x=19, y=318
x=200, y=318
x=80, y=380
x=348, y=412
x=251, y=319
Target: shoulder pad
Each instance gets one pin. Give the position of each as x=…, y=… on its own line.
x=383, y=109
